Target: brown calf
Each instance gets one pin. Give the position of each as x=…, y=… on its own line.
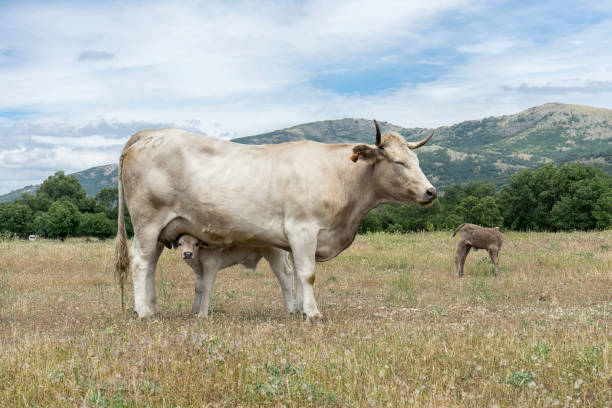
x=479, y=238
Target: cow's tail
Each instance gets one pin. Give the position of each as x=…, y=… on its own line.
x=122, y=258
x=458, y=229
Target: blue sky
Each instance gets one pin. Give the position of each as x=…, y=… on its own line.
x=77, y=78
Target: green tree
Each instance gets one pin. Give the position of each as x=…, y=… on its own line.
x=372, y=222
x=487, y=212
x=107, y=198
x=15, y=218
x=602, y=211
x=36, y=202
x=555, y=199
x=96, y=225
x=40, y=224
x=60, y=185
x=63, y=219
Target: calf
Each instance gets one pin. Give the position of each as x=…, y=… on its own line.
x=206, y=263
x=479, y=238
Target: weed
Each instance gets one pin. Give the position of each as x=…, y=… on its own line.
x=287, y=382
x=482, y=290
x=520, y=379
x=99, y=398
x=542, y=350
x=403, y=287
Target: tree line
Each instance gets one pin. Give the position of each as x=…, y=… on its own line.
x=60, y=209
x=573, y=197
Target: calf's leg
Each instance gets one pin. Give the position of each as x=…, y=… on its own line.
x=463, y=248
x=204, y=285
x=198, y=287
x=494, y=254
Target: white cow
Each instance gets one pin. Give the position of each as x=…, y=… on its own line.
x=304, y=197
x=207, y=262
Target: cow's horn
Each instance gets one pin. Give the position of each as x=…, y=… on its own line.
x=414, y=145
x=377, y=133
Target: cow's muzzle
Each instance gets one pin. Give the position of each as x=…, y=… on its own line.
x=187, y=255
x=430, y=195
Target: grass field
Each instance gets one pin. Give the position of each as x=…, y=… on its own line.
x=400, y=329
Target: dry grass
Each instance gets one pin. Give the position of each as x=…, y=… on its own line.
x=400, y=329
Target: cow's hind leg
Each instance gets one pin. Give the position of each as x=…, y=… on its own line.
x=463, y=248
x=279, y=262
x=145, y=253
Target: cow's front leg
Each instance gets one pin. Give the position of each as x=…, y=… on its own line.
x=145, y=254
x=204, y=285
x=304, y=246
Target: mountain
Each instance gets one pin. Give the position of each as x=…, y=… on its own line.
x=93, y=180
x=489, y=149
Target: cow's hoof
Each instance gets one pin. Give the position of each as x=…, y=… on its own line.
x=315, y=319
x=145, y=313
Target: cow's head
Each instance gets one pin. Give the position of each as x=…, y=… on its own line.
x=189, y=247
x=397, y=174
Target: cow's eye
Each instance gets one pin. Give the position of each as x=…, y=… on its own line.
x=179, y=244
x=400, y=163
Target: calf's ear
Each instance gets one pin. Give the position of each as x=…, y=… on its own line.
x=363, y=152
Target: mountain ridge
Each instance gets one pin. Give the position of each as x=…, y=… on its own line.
x=488, y=149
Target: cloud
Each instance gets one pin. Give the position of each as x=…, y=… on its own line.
x=93, y=55
x=80, y=78
x=589, y=87
x=91, y=142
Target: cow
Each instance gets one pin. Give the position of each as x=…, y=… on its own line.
x=477, y=237
x=207, y=262
x=304, y=197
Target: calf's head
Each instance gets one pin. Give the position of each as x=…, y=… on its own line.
x=189, y=247
x=397, y=174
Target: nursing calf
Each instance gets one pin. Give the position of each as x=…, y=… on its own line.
x=207, y=262
x=477, y=237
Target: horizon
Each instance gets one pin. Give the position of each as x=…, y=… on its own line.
x=79, y=78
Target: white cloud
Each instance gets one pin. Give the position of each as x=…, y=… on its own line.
x=86, y=141
x=91, y=74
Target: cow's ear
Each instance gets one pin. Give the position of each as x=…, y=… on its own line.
x=363, y=152
x=168, y=244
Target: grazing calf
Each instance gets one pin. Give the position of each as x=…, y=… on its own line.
x=206, y=263
x=479, y=238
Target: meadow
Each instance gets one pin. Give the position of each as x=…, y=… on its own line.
x=400, y=330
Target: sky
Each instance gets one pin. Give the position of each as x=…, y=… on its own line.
x=77, y=78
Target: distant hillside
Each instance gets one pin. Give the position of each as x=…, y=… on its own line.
x=489, y=149
x=93, y=180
